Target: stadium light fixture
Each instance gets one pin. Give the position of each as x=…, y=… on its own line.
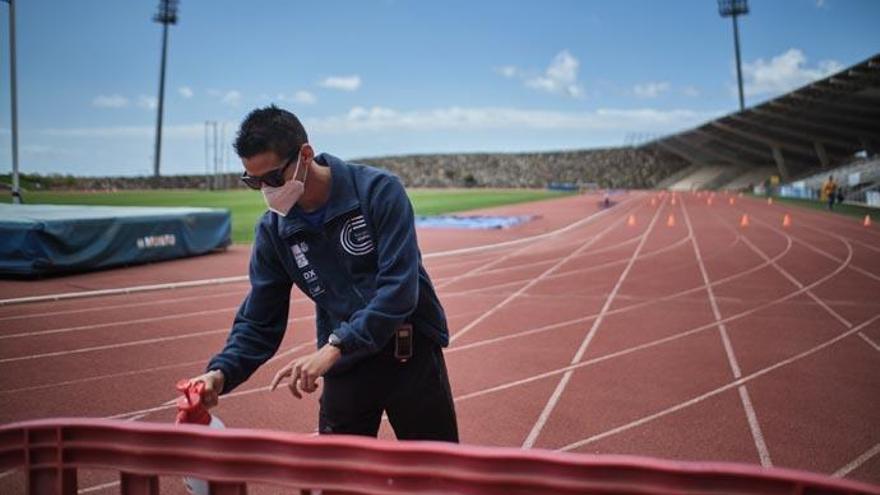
x=13, y=95
x=166, y=15
x=734, y=8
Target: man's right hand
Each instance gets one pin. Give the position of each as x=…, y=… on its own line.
x=213, y=381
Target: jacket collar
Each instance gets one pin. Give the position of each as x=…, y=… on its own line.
x=343, y=197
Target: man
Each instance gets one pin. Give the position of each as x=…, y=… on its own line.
x=829, y=191
x=345, y=235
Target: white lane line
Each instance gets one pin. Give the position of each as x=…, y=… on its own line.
x=96, y=488
x=825, y=253
x=751, y=415
x=812, y=295
x=657, y=342
x=128, y=344
x=857, y=462
x=535, y=280
x=485, y=268
x=869, y=341
x=719, y=390
x=532, y=437
x=116, y=323
x=244, y=278
x=104, y=308
x=122, y=290
x=584, y=364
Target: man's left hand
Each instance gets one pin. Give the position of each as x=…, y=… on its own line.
x=304, y=371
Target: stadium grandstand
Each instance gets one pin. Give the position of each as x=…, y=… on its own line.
x=831, y=123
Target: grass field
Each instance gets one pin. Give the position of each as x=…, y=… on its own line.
x=246, y=206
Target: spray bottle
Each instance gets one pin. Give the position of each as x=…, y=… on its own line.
x=190, y=410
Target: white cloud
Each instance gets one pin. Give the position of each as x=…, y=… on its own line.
x=691, y=91
x=187, y=131
x=301, y=97
x=231, y=98
x=377, y=119
x=185, y=91
x=650, y=89
x=342, y=83
x=148, y=102
x=560, y=76
x=784, y=72
x=508, y=71
x=111, y=101
x=820, y=4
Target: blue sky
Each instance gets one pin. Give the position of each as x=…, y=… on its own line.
x=380, y=77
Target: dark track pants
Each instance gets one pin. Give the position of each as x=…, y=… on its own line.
x=415, y=395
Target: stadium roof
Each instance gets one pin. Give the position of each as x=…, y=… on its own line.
x=821, y=124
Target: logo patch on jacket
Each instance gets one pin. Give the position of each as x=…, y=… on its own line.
x=355, y=237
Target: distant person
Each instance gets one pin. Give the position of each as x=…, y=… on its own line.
x=829, y=192
x=840, y=195
x=345, y=235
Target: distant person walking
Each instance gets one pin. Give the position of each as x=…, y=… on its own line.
x=829, y=192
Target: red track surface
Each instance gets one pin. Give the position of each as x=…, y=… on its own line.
x=700, y=341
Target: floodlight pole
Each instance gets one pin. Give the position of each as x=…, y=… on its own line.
x=734, y=8
x=167, y=15
x=13, y=94
x=739, y=76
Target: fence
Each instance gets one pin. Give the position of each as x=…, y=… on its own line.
x=52, y=450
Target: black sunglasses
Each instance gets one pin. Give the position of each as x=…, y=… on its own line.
x=273, y=178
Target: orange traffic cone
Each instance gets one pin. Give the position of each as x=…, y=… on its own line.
x=670, y=222
x=653, y=202
x=673, y=201
x=709, y=201
x=769, y=201
x=744, y=222
x=786, y=220
x=631, y=221
x=867, y=222
x=730, y=201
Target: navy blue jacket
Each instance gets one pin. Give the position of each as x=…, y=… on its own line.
x=363, y=270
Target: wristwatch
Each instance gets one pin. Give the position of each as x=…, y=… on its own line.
x=335, y=341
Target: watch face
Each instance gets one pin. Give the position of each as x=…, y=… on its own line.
x=334, y=340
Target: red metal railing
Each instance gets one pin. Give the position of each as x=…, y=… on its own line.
x=52, y=450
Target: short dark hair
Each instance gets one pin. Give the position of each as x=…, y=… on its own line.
x=270, y=129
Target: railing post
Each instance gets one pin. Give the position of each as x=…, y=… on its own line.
x=138, y=484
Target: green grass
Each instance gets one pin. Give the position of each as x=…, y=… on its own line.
x=247, y=206
x=841, y=209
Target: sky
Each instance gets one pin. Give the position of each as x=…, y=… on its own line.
x=385, y=77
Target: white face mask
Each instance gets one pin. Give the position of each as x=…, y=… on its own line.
x=281, y=199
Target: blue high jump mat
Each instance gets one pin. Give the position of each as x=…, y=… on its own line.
x=49, y=239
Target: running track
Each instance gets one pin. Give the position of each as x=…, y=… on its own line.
x=703, y=340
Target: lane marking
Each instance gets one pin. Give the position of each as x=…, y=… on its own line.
x=104, y=308
x=152, y=319
x=128, y=344
x=751, y=415
x=244, y=278
x=99, y=487
x=857, y=462
x=537, y=279
x=719, y=390
x=869, y=341
x=532, y=437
